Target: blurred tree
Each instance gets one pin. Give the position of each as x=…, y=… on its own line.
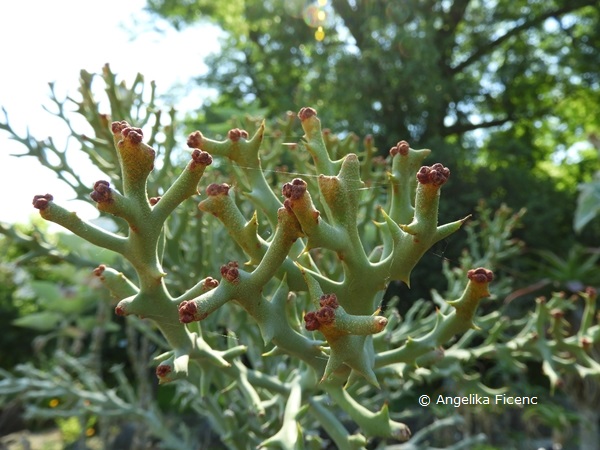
x=498, y=86
x=411, y=68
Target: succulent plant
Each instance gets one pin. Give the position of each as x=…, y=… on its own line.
x=321, y=253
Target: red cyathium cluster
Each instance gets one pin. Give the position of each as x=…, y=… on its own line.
x=102, y=192
x=215, y=189
x=118, y=127
x=163, y=371
x=209, y=284
x=480, y=275
x=98, y=271
x=325, y=315
x=401, y=148
x=306, y=113
x=201, y=158
x=41, y=202
x=329, y=300
x=120, y=310
x=154, y=200
x=435, y=175
x=231, y=272
x=187, y=311
x=236, y=134
x=586, y=343
x=133, y=134
x=195, y=140
x=295, y=189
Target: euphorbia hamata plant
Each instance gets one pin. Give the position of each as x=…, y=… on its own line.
x=318, y=263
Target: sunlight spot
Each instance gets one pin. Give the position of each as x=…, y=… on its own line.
x=320, y=34
x=312, y=16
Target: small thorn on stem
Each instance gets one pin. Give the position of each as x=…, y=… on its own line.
x=120, y=310
x=98, y=271
x=163, y=370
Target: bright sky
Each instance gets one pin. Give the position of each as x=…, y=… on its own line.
x=43, y=41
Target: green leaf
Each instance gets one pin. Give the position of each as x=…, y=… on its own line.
x=43, y=321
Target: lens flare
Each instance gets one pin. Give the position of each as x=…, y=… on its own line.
x=313, y=15
x=320, y=34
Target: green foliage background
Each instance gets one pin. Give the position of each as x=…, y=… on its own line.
x=500, y=89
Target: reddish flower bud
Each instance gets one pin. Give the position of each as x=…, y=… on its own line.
x=195, y=140
x=201, y=158
x=210, y=283
x=401, y=148
x=98, y=271
x=294, y=190
x=120, y=310
x=102, y=192
x=236, y=134
x=480, y=275
x=133, y=134
x=187, y=311
x=311, y=322
x=436, y=174
x=306, y=113
x=154, y=200
x=214, y=189
x=326, y=315
x=585, y=342
x=118, y=127
x=230, y=272
x=163, y=370
x=329, y=300
x=41, y=202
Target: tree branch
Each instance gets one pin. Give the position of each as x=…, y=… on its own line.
x=492, y=45
x=461, y=128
